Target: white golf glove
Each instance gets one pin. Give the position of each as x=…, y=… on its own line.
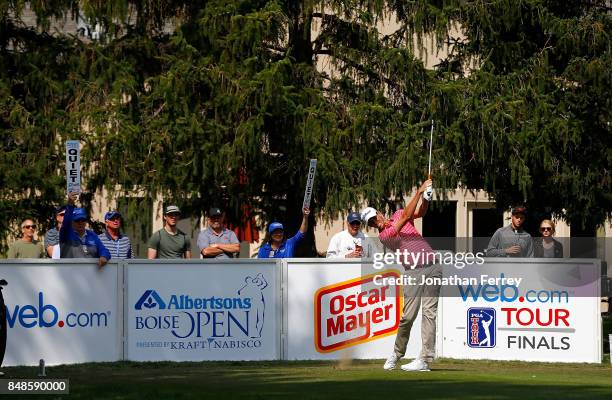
x=428, y=193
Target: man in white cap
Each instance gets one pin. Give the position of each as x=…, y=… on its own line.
x=399, y=233
x=348, y=243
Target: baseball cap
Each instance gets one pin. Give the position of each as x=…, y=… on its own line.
x=368, y=213
x=274, y=226
x=519, y=210
x=353, y=217
x=111, y=214
x=172, y=210
x=79, y=214
x=214, y=212
x=59, y=209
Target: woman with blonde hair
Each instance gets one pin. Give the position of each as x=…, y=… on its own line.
x=546, y=246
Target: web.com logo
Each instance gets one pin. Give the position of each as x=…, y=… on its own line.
x=47, y=316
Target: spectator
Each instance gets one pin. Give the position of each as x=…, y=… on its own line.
x=278, y=246
x=511, y=240
x=399, y=233
x=27, y=246
x=116, y=242
x=169, y=242
x=216, y=241
x=546, y=246
x=348, y=243
x=52, y=236
x=75, y=240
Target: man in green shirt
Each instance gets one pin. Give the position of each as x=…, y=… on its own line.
x=26, y=247
x=169, y=242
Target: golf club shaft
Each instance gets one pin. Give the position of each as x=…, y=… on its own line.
x=430, y=146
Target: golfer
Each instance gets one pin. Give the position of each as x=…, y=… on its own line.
x=399, y=233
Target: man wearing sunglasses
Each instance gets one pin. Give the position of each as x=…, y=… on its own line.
x=27, y=246
x=113, y=239
x=75, y=240
x=511, y=240
x=52, y=236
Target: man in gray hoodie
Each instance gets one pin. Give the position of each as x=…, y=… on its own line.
x=511, y=240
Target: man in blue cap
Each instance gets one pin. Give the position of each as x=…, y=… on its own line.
x=348, y=243
x=117, y=243
x=278, y=246
x=75, y=240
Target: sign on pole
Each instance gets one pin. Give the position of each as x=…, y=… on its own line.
x=73, y=166
x=311, y=173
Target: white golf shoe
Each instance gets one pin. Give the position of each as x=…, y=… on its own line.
x=391, y=362
x=416, y=365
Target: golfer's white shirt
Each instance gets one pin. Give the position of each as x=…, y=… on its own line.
x=343, y=243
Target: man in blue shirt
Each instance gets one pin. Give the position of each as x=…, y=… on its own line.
x=278, y=246
x=117, y=243
x=75, y=240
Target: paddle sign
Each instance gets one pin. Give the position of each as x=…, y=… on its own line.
x=73, y=166
x=309, y=183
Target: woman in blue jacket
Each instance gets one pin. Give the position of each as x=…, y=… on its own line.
x=279, y=247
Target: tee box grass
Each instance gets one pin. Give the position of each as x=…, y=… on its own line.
x=449, y=379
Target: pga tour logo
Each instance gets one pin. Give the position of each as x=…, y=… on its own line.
x=481, y=326
x=355, y=311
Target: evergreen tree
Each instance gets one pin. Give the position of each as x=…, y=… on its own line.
x=532, y=121
x=223, y=103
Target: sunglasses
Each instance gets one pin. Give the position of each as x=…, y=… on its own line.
x=29, y=226
x=80, y=220
x=545, y=228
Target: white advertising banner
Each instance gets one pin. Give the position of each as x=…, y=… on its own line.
x=334, y=311
x=191, y=311
x=63, y=313
x=70, y=311
x=533, y=310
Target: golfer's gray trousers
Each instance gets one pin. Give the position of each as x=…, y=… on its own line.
x=419, y=296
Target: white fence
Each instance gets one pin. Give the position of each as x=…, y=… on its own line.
x=69, y=311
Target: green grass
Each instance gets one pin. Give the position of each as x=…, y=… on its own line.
x=449, y=379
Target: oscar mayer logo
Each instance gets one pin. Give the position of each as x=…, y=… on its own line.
x=356, y=311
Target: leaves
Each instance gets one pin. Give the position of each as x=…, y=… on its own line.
x=223, y=103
